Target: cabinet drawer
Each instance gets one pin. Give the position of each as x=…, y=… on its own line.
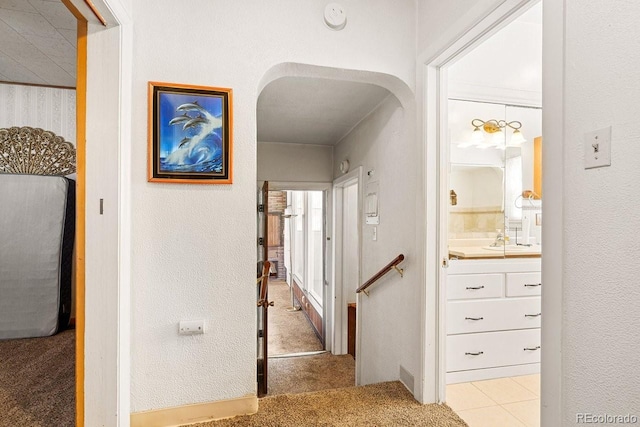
x=492, y=349
x=470, y=286
x=494, y=315
x=523, y=284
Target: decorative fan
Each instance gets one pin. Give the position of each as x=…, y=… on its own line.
x=34, y=151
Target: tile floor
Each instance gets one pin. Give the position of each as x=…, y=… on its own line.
x=505, y=402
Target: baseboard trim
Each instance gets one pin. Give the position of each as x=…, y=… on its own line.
x=198, y=413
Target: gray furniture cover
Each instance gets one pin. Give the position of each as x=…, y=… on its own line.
x=37, y=215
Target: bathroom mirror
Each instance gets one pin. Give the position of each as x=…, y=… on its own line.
x=479, y=208
x=488, y=174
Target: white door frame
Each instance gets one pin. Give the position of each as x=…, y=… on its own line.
x=339, y=313
x=107, y=308
x=436, y=194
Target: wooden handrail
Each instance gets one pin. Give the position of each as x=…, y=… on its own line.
x=392, y=265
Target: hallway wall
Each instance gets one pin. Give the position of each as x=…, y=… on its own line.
x=382, y=143
x=194, y=245
x=595, y=209
x=278, y=161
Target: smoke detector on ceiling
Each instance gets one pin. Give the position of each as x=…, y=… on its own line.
x=335, y=16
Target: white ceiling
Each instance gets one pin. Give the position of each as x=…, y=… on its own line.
x=37, y=42
x=312, y=110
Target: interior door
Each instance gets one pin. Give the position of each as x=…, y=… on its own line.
x=262, y=288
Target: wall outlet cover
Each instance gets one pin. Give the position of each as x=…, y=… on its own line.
x=597, y=148
x=191, y=327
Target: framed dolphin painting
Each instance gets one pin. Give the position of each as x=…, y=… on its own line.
x=190, y=134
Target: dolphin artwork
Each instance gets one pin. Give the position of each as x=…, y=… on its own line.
x=195, y=122
x=190, y=106
x=180, y=119
x=200, y=145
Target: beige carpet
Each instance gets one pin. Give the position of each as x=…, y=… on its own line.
x=37, y=381
x=385, y=404
x=310, y=373
x=289, y=331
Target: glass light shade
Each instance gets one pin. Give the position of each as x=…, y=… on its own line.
x=477, y=137
x=517, y=138
x=497, y=140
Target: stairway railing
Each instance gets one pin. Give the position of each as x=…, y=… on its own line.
x=393, y=265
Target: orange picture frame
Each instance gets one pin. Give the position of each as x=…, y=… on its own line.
x=190, y=137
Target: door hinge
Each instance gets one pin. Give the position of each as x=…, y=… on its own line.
x=260, y=208
x=445, y=263
x=261, y=240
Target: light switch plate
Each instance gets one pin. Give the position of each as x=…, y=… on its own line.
x=597, y=148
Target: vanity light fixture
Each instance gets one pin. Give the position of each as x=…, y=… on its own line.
x=494, y=128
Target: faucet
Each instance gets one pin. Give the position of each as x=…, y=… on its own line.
x=499, y=239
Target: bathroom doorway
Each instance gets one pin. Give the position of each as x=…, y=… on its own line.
x=490, y=218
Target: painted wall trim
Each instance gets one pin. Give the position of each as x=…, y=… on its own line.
x=198, y=413
x=81, y=153
x=553, y=231
x=336, y=332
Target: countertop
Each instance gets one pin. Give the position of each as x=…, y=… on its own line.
x=511, y=251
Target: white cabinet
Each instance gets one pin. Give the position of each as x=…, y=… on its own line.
x=493, y=316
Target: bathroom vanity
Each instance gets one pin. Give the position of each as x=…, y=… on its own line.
x=493, y=279
x=493, y=318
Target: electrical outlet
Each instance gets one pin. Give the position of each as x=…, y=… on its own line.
x=191, y=327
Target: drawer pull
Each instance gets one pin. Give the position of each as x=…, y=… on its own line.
x=532, y=285
x=474, y=318
x=474, y=354
x=532, y=348
x=474, y=288
x=533, y=315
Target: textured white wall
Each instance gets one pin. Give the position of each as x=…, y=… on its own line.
x=48, y=108
x=279, y=161
x=601, y=320
x=193, y=245
x=390, y=333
